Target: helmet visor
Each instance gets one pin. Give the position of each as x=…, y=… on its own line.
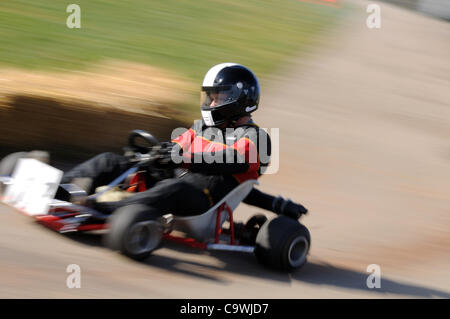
x=212, y=97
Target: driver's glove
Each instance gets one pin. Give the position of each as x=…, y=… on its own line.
x=288, y=208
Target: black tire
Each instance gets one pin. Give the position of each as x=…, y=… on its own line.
x=251, y=228
x=9, y=162
x=134, y=231
x=283, y=244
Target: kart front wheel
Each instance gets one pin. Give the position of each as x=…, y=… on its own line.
x=134, y=231
x=283, y=244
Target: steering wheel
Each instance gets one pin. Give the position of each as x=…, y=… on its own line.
x=142, y=141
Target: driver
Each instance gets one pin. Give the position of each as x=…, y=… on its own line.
x=216, y=154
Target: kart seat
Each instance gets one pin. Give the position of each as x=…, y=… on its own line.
x=202, y=227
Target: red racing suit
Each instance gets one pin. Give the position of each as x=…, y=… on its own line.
x=240, y=153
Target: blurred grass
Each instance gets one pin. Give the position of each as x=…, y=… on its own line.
x=187, y=36
x=184, y=36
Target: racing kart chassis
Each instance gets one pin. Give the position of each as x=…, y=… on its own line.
x=65, y=217
x=281, y=243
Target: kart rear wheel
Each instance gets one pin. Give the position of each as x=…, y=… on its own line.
x=283, y=244
x=134, y=231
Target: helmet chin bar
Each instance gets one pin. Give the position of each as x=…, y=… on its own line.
x=208, y=118
x=209, y=121
x=215, y=116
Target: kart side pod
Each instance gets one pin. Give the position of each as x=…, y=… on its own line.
x=136, y=230
x=203, y=227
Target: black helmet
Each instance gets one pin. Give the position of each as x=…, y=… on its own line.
x=229, y=91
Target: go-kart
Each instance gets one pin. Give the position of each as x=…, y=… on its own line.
x=281, y=243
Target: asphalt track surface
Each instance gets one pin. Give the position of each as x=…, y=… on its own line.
x=364, y=131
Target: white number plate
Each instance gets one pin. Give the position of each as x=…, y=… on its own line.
x=34, y=185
